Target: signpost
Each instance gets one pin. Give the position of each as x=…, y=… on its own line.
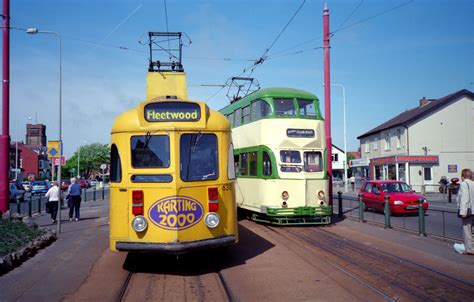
x=102, y=167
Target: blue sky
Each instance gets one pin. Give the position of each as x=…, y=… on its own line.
x=425, y=48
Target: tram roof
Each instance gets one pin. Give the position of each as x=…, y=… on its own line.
x=271, y=92
x=134, y=121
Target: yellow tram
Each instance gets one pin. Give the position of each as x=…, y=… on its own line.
x=172, y=173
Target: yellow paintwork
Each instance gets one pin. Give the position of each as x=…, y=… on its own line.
x=162, y=84
x=132, y=123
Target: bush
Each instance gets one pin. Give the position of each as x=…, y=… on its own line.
x=16, y=234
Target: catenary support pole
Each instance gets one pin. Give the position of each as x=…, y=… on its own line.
x=5, y=136
x=327, y=101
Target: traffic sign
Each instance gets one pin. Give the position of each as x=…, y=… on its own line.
x=103, y=166
x=55, y=161
x=53, y=149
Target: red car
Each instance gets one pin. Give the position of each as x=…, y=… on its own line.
x=83, y=183
x=402, y=197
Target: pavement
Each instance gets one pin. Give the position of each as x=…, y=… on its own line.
x=60, y=270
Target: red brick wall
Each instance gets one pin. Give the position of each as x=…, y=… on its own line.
x=29, y=161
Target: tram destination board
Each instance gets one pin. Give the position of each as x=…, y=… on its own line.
x=300, y=132
x=172, y=112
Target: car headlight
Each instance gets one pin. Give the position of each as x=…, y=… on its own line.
x=212, y=220
x=139, y=224
x=398, y=202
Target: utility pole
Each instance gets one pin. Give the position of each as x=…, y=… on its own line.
x=5, y=137
x=327, y=100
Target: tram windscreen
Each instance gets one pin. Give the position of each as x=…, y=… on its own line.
x=313, y=162
x=150, y=151
x=198, y=157
x=284, y=107
x=306, y=108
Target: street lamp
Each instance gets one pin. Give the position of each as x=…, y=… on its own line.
x=79, y=159
x=34, y=31
x=345, y=139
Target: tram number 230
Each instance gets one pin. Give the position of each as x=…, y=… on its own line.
x=227, y=187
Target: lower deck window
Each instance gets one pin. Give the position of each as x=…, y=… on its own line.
x=313, y=162
x=198, y=157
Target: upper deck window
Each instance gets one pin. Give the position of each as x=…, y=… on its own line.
x=260, y=109
x=284, y=107
x=238, y=117
x=306, y=108
x=150, y=151
x=290, y=157
x=198, y=157
x=230, y=118
x=246, y=115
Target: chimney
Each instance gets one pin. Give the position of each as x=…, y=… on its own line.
x=424, y=101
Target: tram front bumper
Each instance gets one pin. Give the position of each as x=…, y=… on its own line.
x=176, y=247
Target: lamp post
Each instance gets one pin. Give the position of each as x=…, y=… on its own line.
x=79, y=159
x=345, y=136
x=34, y=31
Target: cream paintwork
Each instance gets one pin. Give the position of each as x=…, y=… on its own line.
x=256, y=194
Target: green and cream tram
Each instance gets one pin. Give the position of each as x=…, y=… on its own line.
x=279, y=153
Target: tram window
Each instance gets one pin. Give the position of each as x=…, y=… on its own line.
x=313, y=162
x=306, y=108
x=243, y=164
x=284, y=107
x=115, y=165
x=150, y=151
x=238, y=117
x=253, y=163
x=198, y=157
x=290, y=157
x=260, y=109
x=267, y=164
x=237, y=163
x=230, y=117
x=230, y=163
x=245, y=114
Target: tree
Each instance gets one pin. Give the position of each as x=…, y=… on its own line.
x=90, y=158
x=350, y=157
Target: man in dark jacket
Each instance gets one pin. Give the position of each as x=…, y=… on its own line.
x=74, y=201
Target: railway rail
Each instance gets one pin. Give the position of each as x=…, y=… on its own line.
x=391, y=276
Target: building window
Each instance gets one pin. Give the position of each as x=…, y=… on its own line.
x=376, y=143
x=335, y=158
x=367, y=146
x=387, y=141
x=399, y=138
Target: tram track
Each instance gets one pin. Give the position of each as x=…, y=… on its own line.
x=391, y=276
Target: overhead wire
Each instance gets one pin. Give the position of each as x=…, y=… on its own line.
x=351, y=14
x=167, y=29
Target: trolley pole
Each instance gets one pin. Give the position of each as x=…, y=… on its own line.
x=327, y=101
x=5, y=137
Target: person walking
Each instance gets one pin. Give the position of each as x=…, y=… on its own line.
x=352, y=179
x=465, y=200
x=53, y=199
x=74, y=199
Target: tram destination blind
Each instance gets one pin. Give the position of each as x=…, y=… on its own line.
x=172, y=112
x=300, y=132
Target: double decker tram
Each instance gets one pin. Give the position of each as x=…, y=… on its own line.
x=172, y=173
x=280, y=153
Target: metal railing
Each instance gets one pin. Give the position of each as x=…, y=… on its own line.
x=442, y=223
x=32, y=204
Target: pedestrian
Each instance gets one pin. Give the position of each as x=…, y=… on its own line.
x=53, y=199
x=465, y=201
x=74, y=199
x=352, y=179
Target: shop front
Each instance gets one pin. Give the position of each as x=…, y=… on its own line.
x=360, y=170
x=398, y=167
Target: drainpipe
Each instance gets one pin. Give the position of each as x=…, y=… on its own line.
x=408, y=153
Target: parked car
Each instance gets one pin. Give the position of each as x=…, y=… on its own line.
x=16, y=193
x=403, y=198
x=65, y=184
x=39, y=187
x=26, y=186
x=83, y=183
x=93, y=182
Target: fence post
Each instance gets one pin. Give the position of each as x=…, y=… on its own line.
x=339, y=199
x=94, y=193
x=103, y=193
x=361, y=209
x=387, y=212
x=39, y=205
x=449, y=194
x=421, y=218
x=29, y=205
x=423, y=189
x=85, y=195
x=18, y=207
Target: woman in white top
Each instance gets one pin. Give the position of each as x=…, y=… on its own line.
x=53, y=198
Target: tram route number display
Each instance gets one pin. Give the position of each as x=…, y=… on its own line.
x=176, y=212
x=300, y=132
x=172, y=112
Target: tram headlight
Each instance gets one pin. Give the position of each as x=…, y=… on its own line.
x=212, y=220
x=285, y=195
x=321, y=195
x=139, y=224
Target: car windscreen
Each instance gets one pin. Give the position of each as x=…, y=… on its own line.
x=198, y=157
x=396, y=187
x=150, y=151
